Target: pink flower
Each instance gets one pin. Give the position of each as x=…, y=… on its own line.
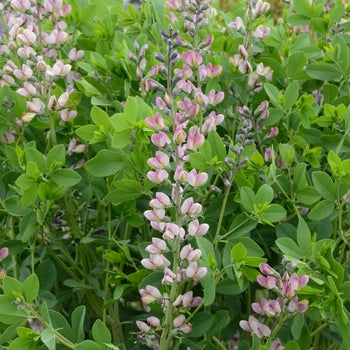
x=190, y=254
x=158, y=176
x=156, y=123
x=192, y=58
x=28, y=90
x=75, y=55
x=261, y=32
x=195, y=179
x=59, y=69
x=237, y=24
x=169, y=277
x=261, y=8
x=194, y=272
x=161, y=139
x=172, y=231
x=268, y=282
x=194, y=139
x=190, y=208
x=180, y=174
x=255, y=327
x=155, y=261
x=267, y=307
x=158, y=246
x=296, y=306
x=26, y=37
x=197, y=230
x=155, y=215
x=150, y=294
x=160, y=202
x=160, y=161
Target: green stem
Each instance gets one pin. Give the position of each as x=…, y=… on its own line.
x=60, y=338
x=219, y=344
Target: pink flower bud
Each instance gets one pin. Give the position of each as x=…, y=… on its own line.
x=180, y=174
x=26, y=37
x=158, y=246
x=63, y=99
x=268, y=282
x=153, y=321
x=273, y=132
x=161, y=201
x=143, y=327
x=169, y=277
x=237, y=24
x=155, y=215
x=66, y=115
x=261, y=8
x=179, y=321
x=261, y=32
x=172, y=231
x=4, y=252
x=27, y=117
x=28, y=90
x=190, y=208
x=150, y=294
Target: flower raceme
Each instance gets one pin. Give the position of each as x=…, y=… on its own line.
x=286, y=304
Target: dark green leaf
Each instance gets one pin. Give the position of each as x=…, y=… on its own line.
x=105, y=163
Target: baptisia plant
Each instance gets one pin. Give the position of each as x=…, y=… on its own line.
x=179, y=128
x=38, y=65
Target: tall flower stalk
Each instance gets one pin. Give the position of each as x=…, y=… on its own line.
x=176, y=212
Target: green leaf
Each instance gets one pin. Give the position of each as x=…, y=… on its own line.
x=238, y=252
x=323, y=71
x=217, y=145
x=273, y=93
x=322, y=210
x=289, y=248
x=295, y=65
x=297, y=326
x=56, y=157
x=303, y=236
x=101, y=119
x=105, y=163
x=24, y=344
x=253, y=249
x=33, y=155
x=59, y=323
x=101, y=333
x=48, y=338
x=291, y=95
x=66, y=177
x=201, y=324
x=31, y=288
x=47, y=274
x=77, y=320
x=273, y=213
x=121, y=139
x=12, y=288
x=9, y=312
x=324, y=185
x=87, y=132
x=292, y=345
x=209, y=285
x=308, y=195
x=247, y=198
x=220, y=321
x=264, y=194
x=127, y=190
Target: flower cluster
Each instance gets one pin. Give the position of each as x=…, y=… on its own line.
x=179, y=127
x=34, y=59
x=287, y=303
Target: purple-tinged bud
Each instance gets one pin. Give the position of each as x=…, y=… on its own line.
x=195, y=272
x=179, y=321
x=150, y=294
x=237, y=24
x=63, y=99
x=261, y=32
x=266, y=269
x=192, y=58
x=143, y=327
x=261, y=8
x=4, y=252
x=66, y=115
x=268, y=282
x=158, y=176
x=273, y=132
x=158, y=246
x=169, y=277
x=27, y=117
x=190, y=208
x=8, y=79
x=2, y=274
x=154, y=215
x=26, y=37
x=153, y=321
x=276, y=345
